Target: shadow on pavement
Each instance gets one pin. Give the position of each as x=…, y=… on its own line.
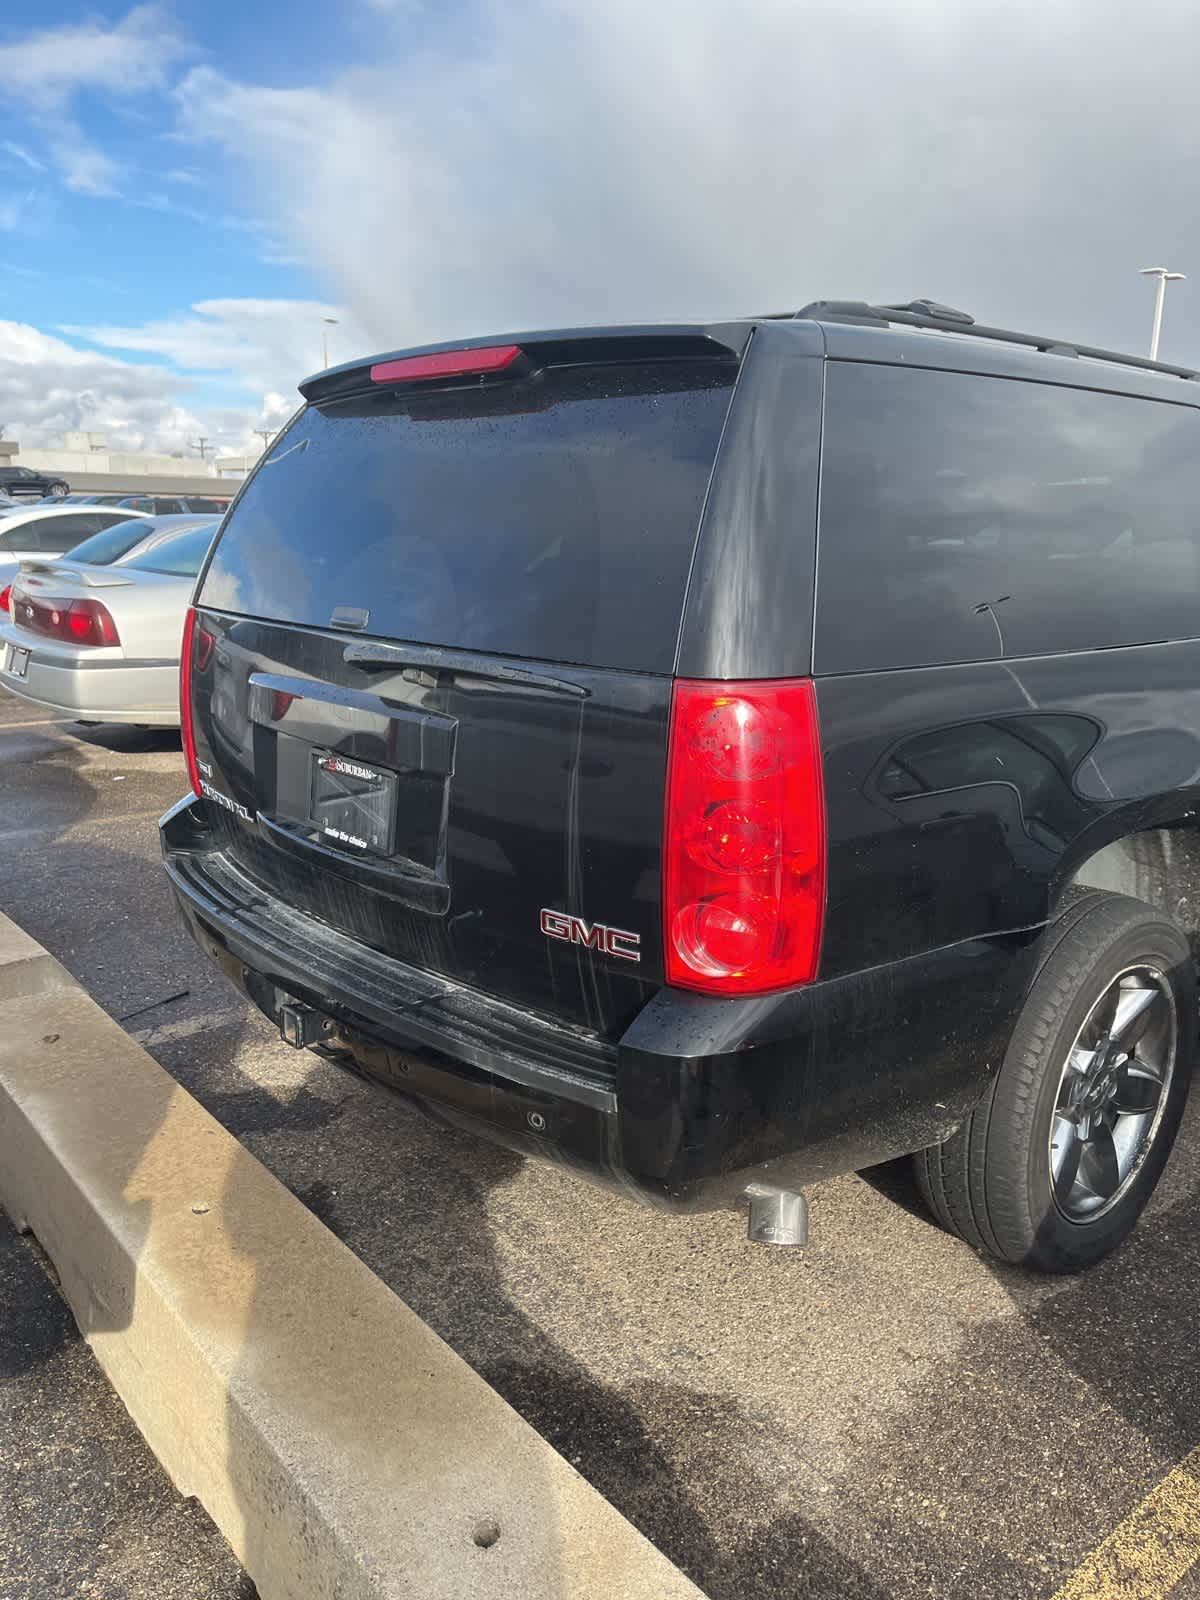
x=1092, y=1386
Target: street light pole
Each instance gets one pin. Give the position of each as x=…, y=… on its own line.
x=1164, y=277
x=331, y=322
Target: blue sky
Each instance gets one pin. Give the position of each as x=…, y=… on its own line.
x=114, y=223
x=187, y=189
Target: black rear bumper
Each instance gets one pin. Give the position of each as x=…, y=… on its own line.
x=698, y=1098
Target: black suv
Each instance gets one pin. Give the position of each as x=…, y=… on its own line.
x=25, y=482
x=719, y=757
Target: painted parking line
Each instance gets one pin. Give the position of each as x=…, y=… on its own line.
x=1156, y=1546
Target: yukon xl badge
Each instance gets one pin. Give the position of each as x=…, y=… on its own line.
x=592, y=935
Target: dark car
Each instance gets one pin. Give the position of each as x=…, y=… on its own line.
x=721, y=757
x=28, y=484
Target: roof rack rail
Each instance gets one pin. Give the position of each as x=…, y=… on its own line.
x=945, y=319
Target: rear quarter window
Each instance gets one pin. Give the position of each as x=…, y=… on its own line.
x=970, y=519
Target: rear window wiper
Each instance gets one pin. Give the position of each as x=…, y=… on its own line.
x=373, y=654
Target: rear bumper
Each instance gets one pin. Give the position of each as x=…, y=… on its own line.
x=698, y=1098
x=99, y=690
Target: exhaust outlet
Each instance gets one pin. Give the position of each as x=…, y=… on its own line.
x=777, y=1216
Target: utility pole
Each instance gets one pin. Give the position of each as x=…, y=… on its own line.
x=202, y=446
x=266, y=435
x=1164, y=277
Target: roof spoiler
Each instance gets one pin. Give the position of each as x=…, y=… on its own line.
x=670, y=342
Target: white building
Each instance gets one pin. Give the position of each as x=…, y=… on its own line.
x=88, y=452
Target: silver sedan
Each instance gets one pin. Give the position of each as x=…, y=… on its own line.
x=101, y=643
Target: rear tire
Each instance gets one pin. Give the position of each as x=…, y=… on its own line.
x=1053, y=1168
x=59, y=491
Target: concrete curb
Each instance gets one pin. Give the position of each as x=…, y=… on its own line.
x=342, y=1448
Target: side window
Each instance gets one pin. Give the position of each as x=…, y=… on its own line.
x=968, y=518
x=165, y=506
x=85, y=524
x=42, y=538
x=99, y=520
x=54, y=535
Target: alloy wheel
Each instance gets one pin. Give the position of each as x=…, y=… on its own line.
x=1112, y=1093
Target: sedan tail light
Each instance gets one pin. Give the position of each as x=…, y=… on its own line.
x=6, y=597
x=744, y=846
x=75, y=621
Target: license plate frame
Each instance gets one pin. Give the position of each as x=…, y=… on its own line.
x=16, y=661
x=352, y=804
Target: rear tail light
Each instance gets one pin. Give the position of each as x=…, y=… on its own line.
x=76, y=621
x=6, y=597
x=744, y=849
x=192, y=642
x=446, y=364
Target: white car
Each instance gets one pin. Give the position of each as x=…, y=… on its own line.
x=31, y=533
x=101, y=643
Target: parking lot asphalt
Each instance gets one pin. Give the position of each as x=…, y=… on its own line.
x=883, y=1414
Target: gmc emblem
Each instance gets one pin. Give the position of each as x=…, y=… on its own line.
x=593, y=935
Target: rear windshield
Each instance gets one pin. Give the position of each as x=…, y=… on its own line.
x=180, y=556
x=111, y=543
x=971, y=519
x=552, y=517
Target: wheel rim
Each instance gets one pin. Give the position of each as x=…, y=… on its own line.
x=1112, y=1093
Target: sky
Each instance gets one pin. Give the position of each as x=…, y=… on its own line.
x=187, y=191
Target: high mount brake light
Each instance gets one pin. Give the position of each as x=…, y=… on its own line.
x=744, y=845
x=446, y=364
x=187, y=726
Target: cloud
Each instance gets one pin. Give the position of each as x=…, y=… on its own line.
x=19, y=153
x=260, y=344
x=47, y=67
x=46, y=70
x=83, y=167
x=570, y=160
x=48, y=385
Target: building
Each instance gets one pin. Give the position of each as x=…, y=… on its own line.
x=88, y=452
x=90, y=467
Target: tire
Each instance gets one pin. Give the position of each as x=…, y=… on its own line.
x=60, y=490
x=1111, y=1013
